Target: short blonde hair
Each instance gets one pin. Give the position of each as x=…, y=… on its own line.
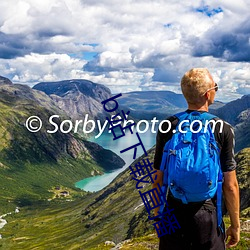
x=195, y=83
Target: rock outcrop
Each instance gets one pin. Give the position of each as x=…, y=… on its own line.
x=77, y=97
x=36, y=161
x=4, y=80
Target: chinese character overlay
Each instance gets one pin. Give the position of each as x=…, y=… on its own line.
x=135, y=147
x=114, y=127
x=143, y=172
x=167, y=225
x=143, y=169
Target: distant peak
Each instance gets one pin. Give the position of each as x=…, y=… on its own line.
x=62, y=88
x=4, y=80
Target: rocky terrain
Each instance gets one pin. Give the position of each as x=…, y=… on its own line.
x=4, y=80
x=114, y=214
x=159, y=104
x=231, y=111
x=77, y=97
x=237, y=114
x=32, y=163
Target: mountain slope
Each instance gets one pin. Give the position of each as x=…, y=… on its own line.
x=232, y=110
x=149, y=104
x=77, y=97
x=4, y=80
x=32, y=163
x=243, y=175
x=116, y=213
x=80, y=224
x=159, y=104
x=237, y=114
x=242, y=130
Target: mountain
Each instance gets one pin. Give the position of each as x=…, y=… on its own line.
x=243, y=175
x=80, y=97
x=149, y=104
x=232, y=110
x=38, y=166
x=115, y=213
x=77, y=97
x=242, y=130
x=159, y=104
x=4, y=80
x=32, y=163
x=237, y=114
x=216, y=105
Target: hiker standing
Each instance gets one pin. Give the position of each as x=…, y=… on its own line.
x=194, y=172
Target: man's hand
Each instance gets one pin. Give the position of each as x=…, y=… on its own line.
x=232, y=200
x=233, y=234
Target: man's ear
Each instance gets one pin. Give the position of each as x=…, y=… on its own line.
x=207, y=95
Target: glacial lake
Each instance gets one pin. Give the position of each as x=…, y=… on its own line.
x=97, y=183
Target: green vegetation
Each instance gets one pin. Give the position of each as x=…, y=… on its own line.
x=84, y=222
x=243, y=176
x=50, y=225
x=32, y=163
x=38, y=172
x=113, y=214
x=150, y=242
x=57, y=225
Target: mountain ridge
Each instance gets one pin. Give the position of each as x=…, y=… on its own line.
x=237, y=114
x=77, y=97
x=230, y=111
x=115, y=213
x=4, y=80
x=58, y=159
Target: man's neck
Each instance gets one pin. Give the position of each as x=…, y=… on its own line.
x=203, y=107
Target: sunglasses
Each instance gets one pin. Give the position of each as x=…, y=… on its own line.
x=216, y=87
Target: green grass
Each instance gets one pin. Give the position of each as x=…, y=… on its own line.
x=151, y=242
x=51, y=225
x=32, y=163
x=29, y=171
x=57, y=225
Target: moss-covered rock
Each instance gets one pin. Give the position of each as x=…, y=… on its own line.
x=243, y=175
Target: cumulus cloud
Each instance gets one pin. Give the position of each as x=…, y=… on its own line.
x=34, y=68
x=139, y=45
x=231, y=45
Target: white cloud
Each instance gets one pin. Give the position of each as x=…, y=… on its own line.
x=34, y=68
x=140, y=44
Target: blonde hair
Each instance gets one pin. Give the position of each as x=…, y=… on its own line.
x=195, y=83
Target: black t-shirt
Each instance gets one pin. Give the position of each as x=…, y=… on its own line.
x=224, y=137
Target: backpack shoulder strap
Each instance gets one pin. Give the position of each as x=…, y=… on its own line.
x=208, y=116
x=182, y=115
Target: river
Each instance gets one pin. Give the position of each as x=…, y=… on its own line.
x=96, y=183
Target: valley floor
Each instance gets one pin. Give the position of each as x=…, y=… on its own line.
x=57, y=225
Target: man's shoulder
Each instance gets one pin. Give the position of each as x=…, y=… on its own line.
x=173, y=121
x=227, y=127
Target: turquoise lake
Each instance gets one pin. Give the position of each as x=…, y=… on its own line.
x=96, y=183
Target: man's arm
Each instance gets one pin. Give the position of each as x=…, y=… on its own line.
x=158, y=176
x=231, y=195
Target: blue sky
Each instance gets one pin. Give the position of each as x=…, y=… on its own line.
x=126, y=45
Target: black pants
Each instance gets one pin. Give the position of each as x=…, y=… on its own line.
x=198, y=228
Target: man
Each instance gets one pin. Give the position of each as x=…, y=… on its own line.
x=198, y=220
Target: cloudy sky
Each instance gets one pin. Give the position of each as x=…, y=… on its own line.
x=127, y=45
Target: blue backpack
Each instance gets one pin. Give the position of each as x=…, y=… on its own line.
x=191, y=162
